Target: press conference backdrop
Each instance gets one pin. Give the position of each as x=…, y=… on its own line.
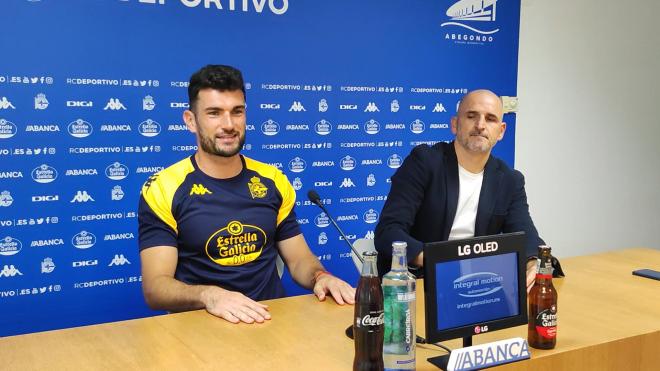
x=91, y=98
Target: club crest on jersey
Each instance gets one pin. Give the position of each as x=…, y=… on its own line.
x=236, y=244
x=257, y=189
x=199, y=190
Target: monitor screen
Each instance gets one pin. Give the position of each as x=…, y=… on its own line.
x=474, y=285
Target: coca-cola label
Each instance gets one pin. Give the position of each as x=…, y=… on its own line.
x=373, y=318
x=546, y=322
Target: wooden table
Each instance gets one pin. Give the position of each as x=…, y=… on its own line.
x=608, y=320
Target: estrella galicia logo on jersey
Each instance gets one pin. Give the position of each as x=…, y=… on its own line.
x=257, y=189
x=80, y=128
x=417, y=126
x=44, y=174
x=270, y=127
x=370, y=216
x=372, y=127
x=462, y=12
x=297, y=165
x=322, y=220
x=236, y=244
x=149, y=128
x=7, y=129
x=116, y=171
x=394, y=161
x=10, y=246
x=323, y=127
x=199, y=190
x=347, y=163
x=83, y=240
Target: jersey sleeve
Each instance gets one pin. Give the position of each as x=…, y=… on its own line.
x=287, y=225
x=157, y=225
x=152, y=230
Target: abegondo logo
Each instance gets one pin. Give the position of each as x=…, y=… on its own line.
x=149, y=128
x=10, y=246
x=83, y=240
x=44, y=174
x=116, y=171
x=7, y=129
x=80, y=128
x=480, y=11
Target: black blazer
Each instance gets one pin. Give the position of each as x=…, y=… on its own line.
x=423, y=199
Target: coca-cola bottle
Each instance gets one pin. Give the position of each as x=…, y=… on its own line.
x=368, y=325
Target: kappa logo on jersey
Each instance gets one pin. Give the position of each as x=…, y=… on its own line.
x=40, y=101
x=439, y=108
x=296, y=106
x=119, y=260
x=199, y=190
x=10, y=271
x=47, y=265
x=148, y=103
x=347, y=183
x=257, y=189
x=236, y=244
x=6, y=104
x=114, y=104
x=323, y=105
x=82, y=196
x=6, y=199
x=371, y=107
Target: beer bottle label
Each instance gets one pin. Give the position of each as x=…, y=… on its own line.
x=546, y=322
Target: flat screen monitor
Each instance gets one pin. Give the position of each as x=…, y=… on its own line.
x=474, y=285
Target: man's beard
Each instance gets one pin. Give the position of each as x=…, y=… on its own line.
x=208, y=145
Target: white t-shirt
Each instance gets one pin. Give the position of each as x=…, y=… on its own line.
x=469, y=189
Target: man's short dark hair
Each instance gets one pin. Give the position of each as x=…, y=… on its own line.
x=214, y=76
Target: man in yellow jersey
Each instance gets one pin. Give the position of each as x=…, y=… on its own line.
x=212, y=225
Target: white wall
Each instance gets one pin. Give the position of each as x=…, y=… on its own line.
x=588, y=125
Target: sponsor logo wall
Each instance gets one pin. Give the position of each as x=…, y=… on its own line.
x=88, y=113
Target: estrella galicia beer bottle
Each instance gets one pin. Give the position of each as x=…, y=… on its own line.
x=542, y=326
x=369, y=322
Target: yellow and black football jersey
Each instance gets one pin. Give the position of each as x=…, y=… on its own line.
x=224, y=229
